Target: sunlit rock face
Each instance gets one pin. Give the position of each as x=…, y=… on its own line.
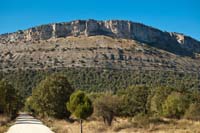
x=113, y=44
x=111, y=28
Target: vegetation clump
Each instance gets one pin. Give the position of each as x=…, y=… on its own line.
x=175, y=105
x=158, y=97
x=10, y=100
x=50, y=96
x=143, y=100
x=100, y=79
x=134, y=100
x=80, y=106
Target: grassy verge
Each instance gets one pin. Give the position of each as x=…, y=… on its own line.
x=149, y=125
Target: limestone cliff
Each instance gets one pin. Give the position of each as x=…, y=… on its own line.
x=172, y=42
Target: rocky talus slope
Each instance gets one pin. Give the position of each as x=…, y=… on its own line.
x=108, y=44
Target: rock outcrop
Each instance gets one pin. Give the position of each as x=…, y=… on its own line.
x=172, y=42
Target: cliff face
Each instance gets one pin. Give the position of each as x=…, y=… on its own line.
x=173, y=42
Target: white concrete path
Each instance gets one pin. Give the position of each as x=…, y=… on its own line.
x=28, y=124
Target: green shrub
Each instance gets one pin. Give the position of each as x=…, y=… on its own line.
x=195, y=96
x=80, y=106
x=29, y=105
x=175, y=105
x=50, y=96
x=158, y=97
x=134, y=100
x=10, y=101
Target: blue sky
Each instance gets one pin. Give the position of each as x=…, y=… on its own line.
x=181, y=16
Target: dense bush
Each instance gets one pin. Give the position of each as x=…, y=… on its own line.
x=158, y=97
x=24, y=80
x=80, y=105
x=134, y=99
x=175, y=105
x=195, y=96
x=29, y=105
x=50, y=96
x=10, y=100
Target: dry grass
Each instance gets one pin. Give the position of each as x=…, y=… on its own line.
x=179, y=126
x=124, y=125
x=4, y=123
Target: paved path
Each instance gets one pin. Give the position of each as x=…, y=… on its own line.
x=28, y=124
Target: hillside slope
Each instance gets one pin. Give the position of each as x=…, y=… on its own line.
x=106, y=44
x=100, y=55
x=94, y=51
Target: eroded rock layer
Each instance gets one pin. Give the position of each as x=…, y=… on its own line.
x=173, y=42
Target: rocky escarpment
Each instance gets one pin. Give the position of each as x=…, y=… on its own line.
x=172, y=42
